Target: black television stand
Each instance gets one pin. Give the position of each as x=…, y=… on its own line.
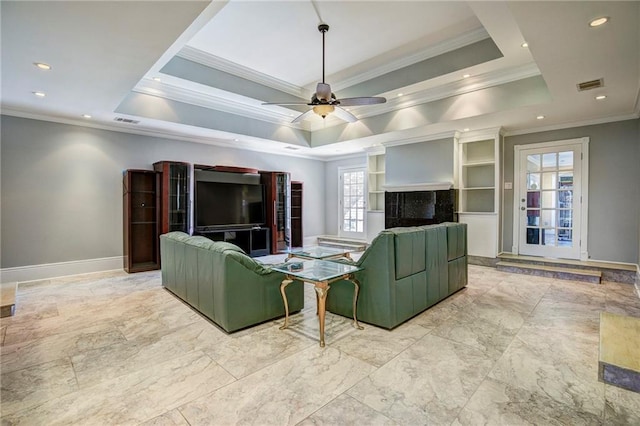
x=253, y=240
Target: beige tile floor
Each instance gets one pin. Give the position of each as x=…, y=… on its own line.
x=118, y=349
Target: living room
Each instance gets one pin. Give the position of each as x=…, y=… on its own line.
x=62, y=215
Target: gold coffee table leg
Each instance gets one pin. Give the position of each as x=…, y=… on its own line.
x=322, y=289
x=356, y=289
x=284, y=285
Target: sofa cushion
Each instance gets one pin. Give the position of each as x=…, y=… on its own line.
x=247, y=262
x=224, y=246
x=177, y=236
x=201, y=242
x=456, y=240
x=409, y=251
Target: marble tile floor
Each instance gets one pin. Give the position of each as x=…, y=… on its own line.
x=118, y=349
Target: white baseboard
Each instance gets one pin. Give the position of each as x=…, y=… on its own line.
x=310, y=241
x=61, y=269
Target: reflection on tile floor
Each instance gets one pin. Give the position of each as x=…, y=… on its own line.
x=113, y=348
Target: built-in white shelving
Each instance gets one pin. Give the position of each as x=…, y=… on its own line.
x=478, y=183
x=376, y=173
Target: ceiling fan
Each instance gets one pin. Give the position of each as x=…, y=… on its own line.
x=324, y=101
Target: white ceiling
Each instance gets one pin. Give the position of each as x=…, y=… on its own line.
x=218, y=62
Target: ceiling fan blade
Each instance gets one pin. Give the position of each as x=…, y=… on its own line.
x=302, y=116
x=360, y=101
x=286, y=103
x=344, y=115
x=323, y=92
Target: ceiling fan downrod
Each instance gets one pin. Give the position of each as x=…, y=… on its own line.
x=323, y=28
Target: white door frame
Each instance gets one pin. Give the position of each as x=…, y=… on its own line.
x=341, y=170
x=584, y=185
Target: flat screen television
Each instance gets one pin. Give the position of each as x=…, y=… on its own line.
x=221, y=204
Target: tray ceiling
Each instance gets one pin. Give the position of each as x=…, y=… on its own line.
x=200, y=71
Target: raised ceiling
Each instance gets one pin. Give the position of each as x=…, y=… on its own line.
x=218, y=62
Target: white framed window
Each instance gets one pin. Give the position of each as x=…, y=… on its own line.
x=353, y=202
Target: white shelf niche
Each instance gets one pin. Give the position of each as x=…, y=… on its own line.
x=375, y=183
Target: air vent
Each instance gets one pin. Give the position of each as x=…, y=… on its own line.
x=588, y=85
x=292, y=148
x=126, y=120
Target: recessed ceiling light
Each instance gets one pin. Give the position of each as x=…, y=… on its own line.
x=40, y=94
x=400, y=94
x=466, y=129
x=236, y=140
x=86, y=116
x=599, y=21
x=601, y=97
x=42, y=65
x=540, y=117
x=466, y=75
x=158, y=79
x=525, y=44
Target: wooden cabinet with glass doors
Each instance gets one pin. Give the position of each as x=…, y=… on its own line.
x=277, y=187
x=140, y=220
x=174, y=196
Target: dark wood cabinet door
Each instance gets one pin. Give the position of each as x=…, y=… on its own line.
x=174, y=196
x=278, y=205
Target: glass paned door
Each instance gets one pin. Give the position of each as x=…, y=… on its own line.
x=550, y=201
x=353, y=203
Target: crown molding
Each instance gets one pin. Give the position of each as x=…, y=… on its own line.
x=426, y=186
x=375, y=150
x=340, y=157
x=571, y=125
x=258, y=112
x=219, y=103
x=474, y=135
x=165, y=134
x=204, y=58
x=426, y=138
x=455, y=88
x=212, y=61
x=430, y=52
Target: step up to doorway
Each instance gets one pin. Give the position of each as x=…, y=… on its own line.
x=7, y=299
x=619, y=362
x=344, y=243
x=611, y=271
x=558, y=272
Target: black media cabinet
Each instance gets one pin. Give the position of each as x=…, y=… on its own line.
x=254, y=241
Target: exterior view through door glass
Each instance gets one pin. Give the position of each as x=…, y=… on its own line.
x=550, y=202
x=352, y=203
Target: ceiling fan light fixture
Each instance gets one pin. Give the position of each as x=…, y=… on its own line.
x=323, y=110
x=324, y=101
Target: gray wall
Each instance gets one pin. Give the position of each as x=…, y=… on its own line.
x=614, y=187
x=423, y=162
x=62, y=186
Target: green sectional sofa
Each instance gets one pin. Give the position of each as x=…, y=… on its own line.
x=224, y=284
x=406, y=270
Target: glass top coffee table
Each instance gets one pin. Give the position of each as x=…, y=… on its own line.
x=320, y=273
x=320, y=253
